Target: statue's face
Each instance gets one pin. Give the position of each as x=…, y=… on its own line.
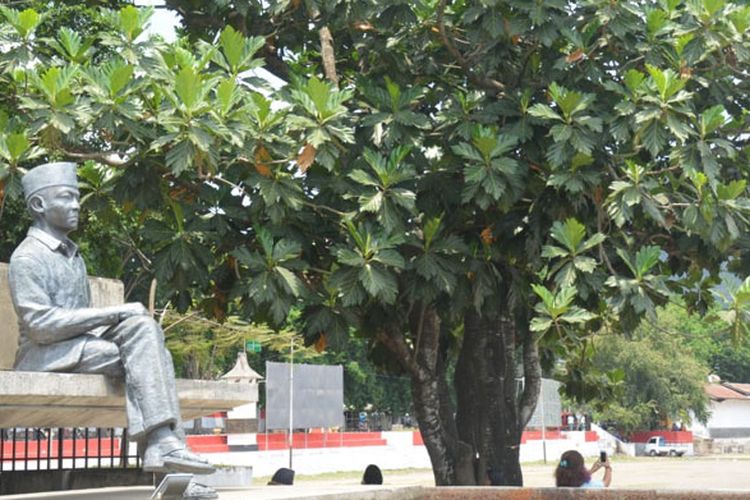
x=61, y=207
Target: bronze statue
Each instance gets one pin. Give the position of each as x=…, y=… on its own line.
x=61, y=332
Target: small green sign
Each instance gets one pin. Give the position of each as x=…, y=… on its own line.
x=252, y=346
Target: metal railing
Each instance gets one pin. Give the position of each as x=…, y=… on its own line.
x=65, y=448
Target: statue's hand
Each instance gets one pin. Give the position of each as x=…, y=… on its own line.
x=125, y=311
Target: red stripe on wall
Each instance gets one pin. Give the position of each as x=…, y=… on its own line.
x=417, y=439
x=216, y=443
x=38, y=449
x=669, y=436
x=279, y=441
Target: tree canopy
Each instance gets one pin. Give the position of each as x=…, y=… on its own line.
x=709, y=339
x=474, y=186
x=660, y=380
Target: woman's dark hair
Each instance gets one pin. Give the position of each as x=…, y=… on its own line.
x=571, y=471
x=372, y=475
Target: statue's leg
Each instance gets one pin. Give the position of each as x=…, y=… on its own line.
x=151, y=399
x=100, y=356
x=174, y=402
x=149, y=375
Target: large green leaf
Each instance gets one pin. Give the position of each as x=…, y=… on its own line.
x=232, y=44
x=188, y=85
x=570, y=233
x=379, y=282
x=17, y=145
x=24, y=22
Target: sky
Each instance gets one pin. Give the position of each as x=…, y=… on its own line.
x=164, y=22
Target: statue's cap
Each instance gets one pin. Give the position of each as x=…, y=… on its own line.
x=49, y=175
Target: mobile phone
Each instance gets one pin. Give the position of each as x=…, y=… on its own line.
x=602, y=456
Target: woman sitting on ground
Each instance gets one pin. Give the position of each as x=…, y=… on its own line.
x=572, y=472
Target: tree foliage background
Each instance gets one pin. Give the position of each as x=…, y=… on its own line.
x=475, y=187
x=660, y=381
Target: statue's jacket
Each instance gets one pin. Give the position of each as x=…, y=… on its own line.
x=51, y=297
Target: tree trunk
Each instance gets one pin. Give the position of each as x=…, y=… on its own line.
x=442, y=448
x=506, y=427
x=472, y=396
x=491, y=412
x=450, y=458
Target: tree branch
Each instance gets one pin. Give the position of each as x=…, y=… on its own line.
x=602, y=251
x=484, y=82
x=152, y=297
x=532, y=373
x=420, y=327
x=426, y=325
x=395, y=344
x=2, y=200
x=184, y=318
x=111, y=158
x=328, y=55
x=326, y=48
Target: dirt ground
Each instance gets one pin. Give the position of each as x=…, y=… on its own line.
x=701, y=473
x=698, y=473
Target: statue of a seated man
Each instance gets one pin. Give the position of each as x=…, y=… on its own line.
x=61, y=332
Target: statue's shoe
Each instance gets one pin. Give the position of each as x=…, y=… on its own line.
x=184, y=460
x=178, y=460
x=152, y=461
x=197, y=491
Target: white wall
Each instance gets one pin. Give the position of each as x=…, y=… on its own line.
x=729, y=414
x=534, y=451
x=399, y=453
x=319, y=460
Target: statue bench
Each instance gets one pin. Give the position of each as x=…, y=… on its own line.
x=44, y=399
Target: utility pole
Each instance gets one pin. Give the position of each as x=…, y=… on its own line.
x=544, y=422
x=291, y=400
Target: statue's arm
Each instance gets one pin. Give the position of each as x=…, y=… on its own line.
x=47, y=323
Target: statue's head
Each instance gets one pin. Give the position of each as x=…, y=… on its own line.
x=52, y=197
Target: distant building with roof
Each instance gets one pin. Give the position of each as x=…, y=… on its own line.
x=729, y=408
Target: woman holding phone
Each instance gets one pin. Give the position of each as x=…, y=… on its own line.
x=572, y=472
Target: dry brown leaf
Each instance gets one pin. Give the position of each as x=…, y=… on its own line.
x=669, y=220
x=262, y=157
x=598, y=195
x=263, y=169
x=575, y=56
x=306, y=157
x=486, y=235
x=321, y=343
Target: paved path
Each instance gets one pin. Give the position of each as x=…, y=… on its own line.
x=705, y=473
